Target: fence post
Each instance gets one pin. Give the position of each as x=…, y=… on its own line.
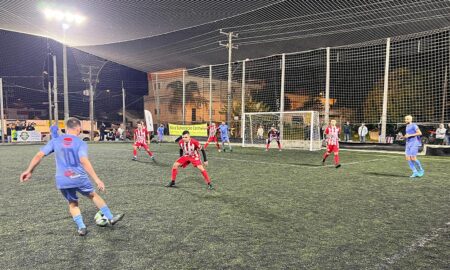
x=184, y=97
x=157, y=100
x=243, y=103
x=283, y=75
x=55, y=91
x=50, y=116
x=385, y=92
x=210, y=95
x=327, y=88
x=2, y=116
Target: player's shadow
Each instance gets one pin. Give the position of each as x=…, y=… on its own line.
x=385, y=174
x=157, y=163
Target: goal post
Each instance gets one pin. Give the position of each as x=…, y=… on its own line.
x=300, y=129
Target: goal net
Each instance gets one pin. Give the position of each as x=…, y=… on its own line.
x=298, y=129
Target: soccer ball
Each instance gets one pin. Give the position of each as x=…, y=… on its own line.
x=100, y=219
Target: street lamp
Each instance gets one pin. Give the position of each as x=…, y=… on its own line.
x=67, y=19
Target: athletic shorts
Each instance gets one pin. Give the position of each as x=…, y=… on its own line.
x=274, y=139
x=225, y=139
x=212, y=139
x=186, y=160
x=143, y=145
x=411, y=150
x=71, y=193
x=332, y=148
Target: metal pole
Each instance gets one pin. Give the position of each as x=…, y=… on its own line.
x=327, y=88
x=91, y=104
x=311, y=130
x=229, y=104
x=55, y=91
x=157, y=100
x=2, y=116
x=385, y=92
x=444, y=95
x=283, y=75
x=124, y=121
x=210, y=95
x=66, y=86
x=243, y=103
x=50, y=117
x=184, y=97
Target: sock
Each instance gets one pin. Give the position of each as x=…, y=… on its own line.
x=417, y=162
x=206, y=145
x=267, y=146
x=174, y=174
x=134, y=152
x=279, y=145
x=150, y=153
x=411, y=165
x=229, y=146
x=106, y=212
x=336, y=159
x=217, y=145
x=325, y=156
x=206, y=176
x=79, y=221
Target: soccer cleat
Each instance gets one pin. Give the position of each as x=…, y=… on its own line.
x=134, y=159
x=414, y=175
x=421, y=173
x=170, y=184
x=323, y=162
x=338, y=166
x=116, y=219
x=267, y=150
x=231, y=150
x=82, y=232
x=219, y=150
x=210, y=186
x=279, y=150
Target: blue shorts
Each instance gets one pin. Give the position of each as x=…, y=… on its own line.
x=71, y=193
x=225, y=139
x=411, y=150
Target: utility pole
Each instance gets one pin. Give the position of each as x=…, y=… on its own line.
x=230, y=47
x=123, y=107
x=65, y=79
x=91, y=104
x=1, y=112
x=55, y=90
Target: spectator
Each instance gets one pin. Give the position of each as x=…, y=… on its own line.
x=14, y=133
x=160, y=132
x=440, y=134
x=8, y=132
x=111, y=135
x=347, y=131
x=30, y=127
x=102, y=131
x=362, y=132
x=447, y=134
x=260, y=133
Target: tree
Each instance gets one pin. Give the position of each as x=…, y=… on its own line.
x=191, y=95
x=406, y=94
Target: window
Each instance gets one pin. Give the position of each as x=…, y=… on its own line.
x=194, y=114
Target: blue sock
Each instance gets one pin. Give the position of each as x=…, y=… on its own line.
x=411, y=165
x=79, y=221
x=106, y=212
x=418, y=164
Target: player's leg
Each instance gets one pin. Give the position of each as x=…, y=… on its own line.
x=147, y=149
x=229, y=145
x=268, y=144
x=101, y=205
x=279, y=145
x=336, y=157
x=418, y=165
x=207, y=142
x=217, y=143
x=135, y=151
x=223, y=143
x=327, y=154
x=71, y=196
x=175, y=167
x=205, y=176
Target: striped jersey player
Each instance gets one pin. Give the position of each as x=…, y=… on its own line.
x=141, y=139
x=332, y=132
x=212, y=136
x=189, y=154
x=273, y=134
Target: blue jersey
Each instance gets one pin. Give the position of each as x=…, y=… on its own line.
x=68, y=150
x=411, y=129
x=160, y=131
x=54, y=131
x=223, y=131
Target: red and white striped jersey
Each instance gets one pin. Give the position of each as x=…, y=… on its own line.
x=333, y=135
x=141, y=135
x=190, y=148
x=212, y=131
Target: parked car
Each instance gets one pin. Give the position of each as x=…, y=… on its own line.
x=428, y=134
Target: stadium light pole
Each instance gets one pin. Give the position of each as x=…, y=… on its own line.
x=230, y=47
x=67, y=19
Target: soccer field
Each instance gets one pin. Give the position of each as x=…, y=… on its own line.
x=275, y=210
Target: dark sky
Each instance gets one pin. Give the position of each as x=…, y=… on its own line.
x=24, y=58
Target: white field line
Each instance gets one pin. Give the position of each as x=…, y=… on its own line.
x=419, y=243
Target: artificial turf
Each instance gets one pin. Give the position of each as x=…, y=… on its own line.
x=275, y=210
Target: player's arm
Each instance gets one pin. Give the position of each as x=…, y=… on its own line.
x=181, y=152
x=134, y=136
x=418, y=133
x=205, y=160
x=148, y=138
x=90, y=170
x=178, y=139
x=26, y=175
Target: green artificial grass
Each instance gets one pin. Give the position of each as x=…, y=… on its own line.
x=275, y=210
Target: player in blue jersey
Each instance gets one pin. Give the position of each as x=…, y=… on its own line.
x=413, y=142
x=224, y=137
x=73, y=169
x=160, y=132
x=54, y=130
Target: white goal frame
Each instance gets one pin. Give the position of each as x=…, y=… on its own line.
x=313, y=127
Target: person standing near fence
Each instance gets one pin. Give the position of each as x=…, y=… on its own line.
x=362, y=132
x=347, y=131
x=8, y=132
x=440, y=134
x=260, y=133
x=160, y=132
x=102, y=131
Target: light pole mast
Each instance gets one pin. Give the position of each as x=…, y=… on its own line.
x=230, y=48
